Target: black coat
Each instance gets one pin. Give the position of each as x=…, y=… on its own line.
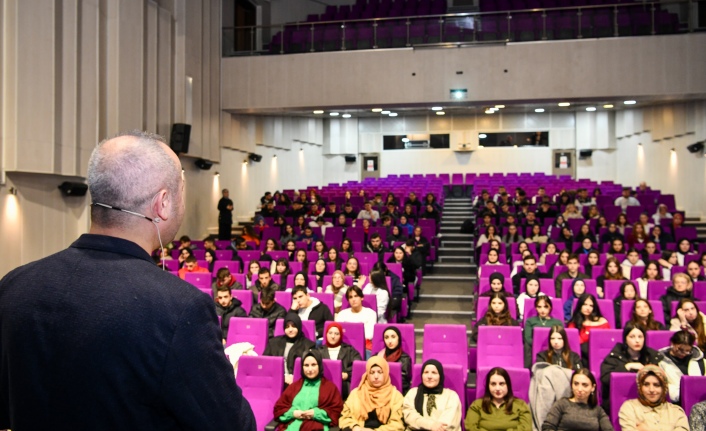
x=615, y=363
x=671, y=296
x=276, y=345
x=134, y=346
x=275, y=312
x=574, y=357
x=320, y=314
x=234, y=310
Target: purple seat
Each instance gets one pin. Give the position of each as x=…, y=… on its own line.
x=453, y=379
x=520, y=378
x=269, y=233
x=688, y=232
x=446, y=343
x=658, y=339
x=248, y=255
x=626, y=311
x=284, y=299
x=484, y=284
x=333, y=370
x=500, y=346
x=483, y=303
x=224, y=255
x=308, y=328
x=503, y=269
x=611, y=288
x=353, y=334
x=693, y=390
x=244, y=296
x=199, y=254
x=261, y=379
x=359, y=371
x=599, y=346
x=222, y=244
x=669, y=201
x=557, y=309
x=657, y=288
x=546, y=286
x=171, y=265
x=248, y=329
x=540, y=340
x=622, y=388
x=325, y=298
x=198, y=279
x=409, y=342
x=566, y=287
x=279, y=254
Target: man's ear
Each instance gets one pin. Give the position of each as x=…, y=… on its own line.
x=161, y=205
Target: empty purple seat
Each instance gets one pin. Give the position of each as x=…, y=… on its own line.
x=284, y=299
x=353, y=334
x=600, y=344
x=500, y=346
x=520, y=378
x=244, y=296
x=261, y=378
x=623, y=387
x=409, y=343
x=484, y=284
x=487, y=270
x=224, y=254
x=359, y=371
x=658, y=339
x=693, y=390
x=198, y=279
x=446, y=343
x=222, y=244
x=251, y=330
x=657, y=288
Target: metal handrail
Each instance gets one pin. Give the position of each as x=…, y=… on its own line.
x=474, y=15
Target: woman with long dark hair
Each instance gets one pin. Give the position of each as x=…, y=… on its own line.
x=689, y=318
x=644, y=317
x=498, y=314
x=587, y=317
x=559, y=352
x=498, y=409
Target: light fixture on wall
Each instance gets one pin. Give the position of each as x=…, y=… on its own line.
x=674, y=150
x=301, y=148
x=12, y=191
x=274, y=156
x=639, y=144
x=245, y=161
x=217, y=174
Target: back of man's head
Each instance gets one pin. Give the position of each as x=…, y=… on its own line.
x=191, y=259
x=127, y=172
x=222, y=274
x=267, y=295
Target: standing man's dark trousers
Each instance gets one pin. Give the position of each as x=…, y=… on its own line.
x=224, y=228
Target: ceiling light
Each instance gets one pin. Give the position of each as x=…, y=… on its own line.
x=630, y=102
x=591, y=108
x=539, y=110
x=393, y=114
x=385, y=112
x=489, y=111
x=334, y=114
x=377, y=109
x=608, y=106
x=346, y=115
x=482, y=136
x=405, y=139
x=318, y=111
x=441, y=113
x=564, y=104
x=493, y=109
x=499, y=106
x=436, y=108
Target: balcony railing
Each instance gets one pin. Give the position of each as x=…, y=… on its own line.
x=590, y=21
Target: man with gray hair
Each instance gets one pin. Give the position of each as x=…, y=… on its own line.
x=97, y=336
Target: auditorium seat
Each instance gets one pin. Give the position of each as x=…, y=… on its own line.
x=261, y=378
x=500, y=346
x=623, y=387
x=409, y=343
x=520, y=378
x=692, y=390
x=245, y=297
x=540, y=340
x=353, y=334
x=600, y=344
x=248, y=329
x=446, y=343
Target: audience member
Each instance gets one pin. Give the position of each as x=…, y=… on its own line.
x=338, y=288
x=689, y=318
x=498, y=314
x=191, y=266
x=559, y=351
x=359, y=314
x=529, y=267
x=681, y=358
x=531, y=292
x=626, y=200
x=578, y=288
x=226, y=307
x=290, y=346
x=628, y=292
x=269, y=309
x=681, y=288
x=334, y=348
x=586, y=318
x=378, y=287
x=498, y=409
x=611, y=272
x=431, y=406
x=264, y=279
x=543, y=305
x=580, y=411
x=571, y=273
x=643, y=316
x=392, y=337
x=309, y=308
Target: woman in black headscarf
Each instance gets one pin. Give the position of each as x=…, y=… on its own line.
x=430, y=404
x=290, y=345
x=311, y=403
x=393, y=353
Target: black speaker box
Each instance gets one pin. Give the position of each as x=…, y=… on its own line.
x=203, y=164
x=585, y=154
x=179, y=139
x=350, y=159
x=69, y=188
x=695, y=148
x=255, y=157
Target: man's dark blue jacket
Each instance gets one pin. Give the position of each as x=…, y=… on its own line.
x=97, y=337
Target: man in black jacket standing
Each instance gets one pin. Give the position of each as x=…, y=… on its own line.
x=119, y=343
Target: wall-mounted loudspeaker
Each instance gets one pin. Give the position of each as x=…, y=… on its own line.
x=69, y=188
x=179, y=139
x=695, y=148
x=585, y=154
x=203, y=164
x=255, y=157
x=350, y=159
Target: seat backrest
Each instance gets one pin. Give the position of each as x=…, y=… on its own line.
x=247, y=329
x=248, y=255
x=453, y=379
x=611, y=288
x=224, y=255
x=600, y=344
x=325, y=298
x=409, y=343
x=279, y=254
x=446, y=343
x=244, y=296
x=658, y=339
x=626, y=311
x=490, y=269
x=540, y=340
x=333, y=370
x=233, y=266
x=483, y=303
x=622, y=388
x=284, y=299
x=308, y=328
x=484, y=284
x=693, y=390
x=566, y=287
x=198, y=279
x=359, y=371
x=261, y=378
x=353, y=334
x=557, y=309
x=520, y=378
x=500, y=346
x=657, y=288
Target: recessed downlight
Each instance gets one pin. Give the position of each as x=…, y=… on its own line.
x=591, y=108
x=346, y=115
x=377, y=109
x=482, y=136
x=489, y=111
x=607, y=106
x=630, y=102
x=564, y=104
x=318, y=112
x=334, y=114
x=539, y=110
x=440, y=113
x=436, y=108
x=393, y=114
x=499, y=106
x=385, y=112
